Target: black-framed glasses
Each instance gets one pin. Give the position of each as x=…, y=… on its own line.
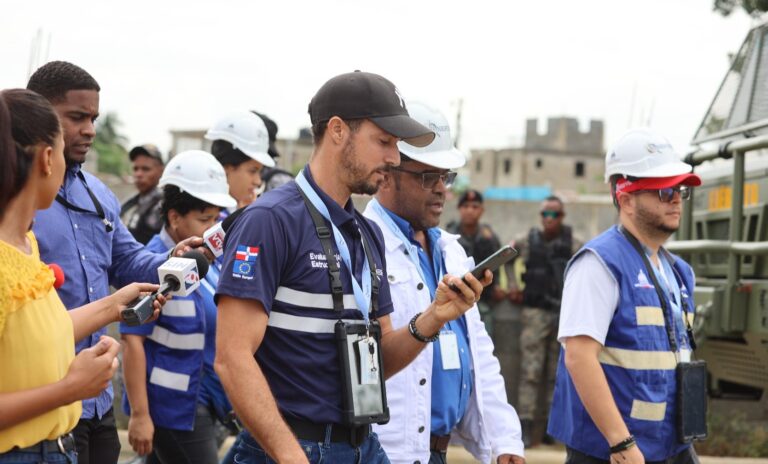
x=430, y=179
x=666, y=195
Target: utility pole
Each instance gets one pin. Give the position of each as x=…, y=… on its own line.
x=457, y=132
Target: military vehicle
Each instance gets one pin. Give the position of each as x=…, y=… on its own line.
x=724, y=229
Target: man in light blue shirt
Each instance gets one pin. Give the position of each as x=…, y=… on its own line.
x=82, y=233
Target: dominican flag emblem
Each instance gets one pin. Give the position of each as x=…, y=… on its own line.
x=246, y=253
x=245, y=260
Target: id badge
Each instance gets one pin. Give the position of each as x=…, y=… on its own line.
x=449, y=350
x=368, y=354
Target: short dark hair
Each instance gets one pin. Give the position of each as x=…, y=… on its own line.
x=554, y=198
x=26, y=119
x=181, y=202
x=53, y=80
x=226, y=154
x=318, y=129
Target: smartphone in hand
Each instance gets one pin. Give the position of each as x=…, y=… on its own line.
x=502, y=256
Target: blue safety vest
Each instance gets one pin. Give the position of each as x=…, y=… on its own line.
x=174, y=351
x=637, y=360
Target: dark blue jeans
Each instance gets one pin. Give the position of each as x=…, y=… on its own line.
x=27, y=457
x=248, y=451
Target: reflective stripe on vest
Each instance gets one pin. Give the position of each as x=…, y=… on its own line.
x=312, y=300
x=305, y=324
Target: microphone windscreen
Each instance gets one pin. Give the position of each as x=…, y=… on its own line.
x=227, y=222
x=202, y=262
x=58, y=275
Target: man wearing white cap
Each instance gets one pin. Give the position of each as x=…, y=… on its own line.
x=625, y=319
x=453, y=391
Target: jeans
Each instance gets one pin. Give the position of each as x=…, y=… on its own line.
x=24, y=457
x=96, y=440
x=687, y=456
x=196, y=446
x=248, y=451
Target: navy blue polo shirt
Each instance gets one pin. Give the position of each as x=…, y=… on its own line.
x=272, y=254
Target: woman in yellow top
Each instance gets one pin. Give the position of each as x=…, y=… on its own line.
x=41, y=379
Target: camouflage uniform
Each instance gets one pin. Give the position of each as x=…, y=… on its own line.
x=539, y=349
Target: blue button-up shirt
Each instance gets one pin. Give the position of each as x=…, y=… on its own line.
x=450, y=388
x=91, y=257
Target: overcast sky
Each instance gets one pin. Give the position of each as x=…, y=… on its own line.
x=171, y=64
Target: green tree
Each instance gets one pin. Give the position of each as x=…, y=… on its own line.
x=752, y=7
x=109, y=144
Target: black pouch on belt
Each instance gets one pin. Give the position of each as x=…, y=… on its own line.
x=691, y=401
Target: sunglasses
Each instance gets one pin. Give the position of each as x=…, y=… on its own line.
x=430, y=179
x=551, y=214
x=666, y=195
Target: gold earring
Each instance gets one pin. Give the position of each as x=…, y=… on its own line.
x=47, y=173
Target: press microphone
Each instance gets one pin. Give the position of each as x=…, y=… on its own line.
x=178, y=277
x=213, y=238
x=58, y=275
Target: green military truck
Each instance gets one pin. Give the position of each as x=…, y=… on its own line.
x=724, y=230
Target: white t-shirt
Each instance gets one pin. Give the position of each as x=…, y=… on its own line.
x=590, y=298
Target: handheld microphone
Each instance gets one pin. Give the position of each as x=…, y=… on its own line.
x=178, y=276
x=213, y=238
x=58, y=275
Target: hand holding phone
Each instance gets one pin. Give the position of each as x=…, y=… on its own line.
x=491, y=263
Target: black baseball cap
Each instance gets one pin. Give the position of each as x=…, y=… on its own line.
x=362, y=95
x=147, y=149
x=470, y=195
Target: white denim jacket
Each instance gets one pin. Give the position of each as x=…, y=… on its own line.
x=490, y=426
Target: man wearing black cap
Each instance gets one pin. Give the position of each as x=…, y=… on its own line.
x=280, y=313
x=141, y=213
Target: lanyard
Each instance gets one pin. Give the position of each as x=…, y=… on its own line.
x=96, y=204
x=668, y=316
x=362, y=292
x=413, y=252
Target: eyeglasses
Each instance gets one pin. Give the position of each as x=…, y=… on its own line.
x=666, y=195
x=430, y=179
x=551, y=214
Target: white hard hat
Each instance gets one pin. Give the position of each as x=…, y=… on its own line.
x=246, y=132
x=440, y=153
x=200, y=175
x=643, y=153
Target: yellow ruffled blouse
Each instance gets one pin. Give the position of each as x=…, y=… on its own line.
x=37, y=342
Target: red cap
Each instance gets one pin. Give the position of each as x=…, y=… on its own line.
x=654, y=183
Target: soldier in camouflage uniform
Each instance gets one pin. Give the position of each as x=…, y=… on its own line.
x=545, y=253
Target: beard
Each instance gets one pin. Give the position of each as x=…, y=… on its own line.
x=653, y=224
x=359, y=179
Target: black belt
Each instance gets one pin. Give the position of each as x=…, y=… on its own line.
x=63, y=445
x=439, y=443
x=311, y=431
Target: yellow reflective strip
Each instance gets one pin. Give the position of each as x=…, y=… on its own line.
x=644, y=410
x=636, y=359
x=649, y=315
x=690, y=317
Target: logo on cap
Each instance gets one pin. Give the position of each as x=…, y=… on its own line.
x=400, y=97
x=656, y=148
x=437, y=128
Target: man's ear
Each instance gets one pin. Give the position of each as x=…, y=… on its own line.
x=173, y=218
x=624, y=201
x=337, y=129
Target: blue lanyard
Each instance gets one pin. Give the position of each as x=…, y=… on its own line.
x=413, y=252
x=362, y=293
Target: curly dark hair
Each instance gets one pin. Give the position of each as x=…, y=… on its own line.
x=53, y=80
x=181, y=202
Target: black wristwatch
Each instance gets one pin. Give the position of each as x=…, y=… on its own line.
x=417, y=335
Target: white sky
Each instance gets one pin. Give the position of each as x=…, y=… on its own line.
x=173, y=64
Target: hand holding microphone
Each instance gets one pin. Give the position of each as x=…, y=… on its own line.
x=178, y=276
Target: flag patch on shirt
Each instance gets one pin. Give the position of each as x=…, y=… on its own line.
x=245, y=261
